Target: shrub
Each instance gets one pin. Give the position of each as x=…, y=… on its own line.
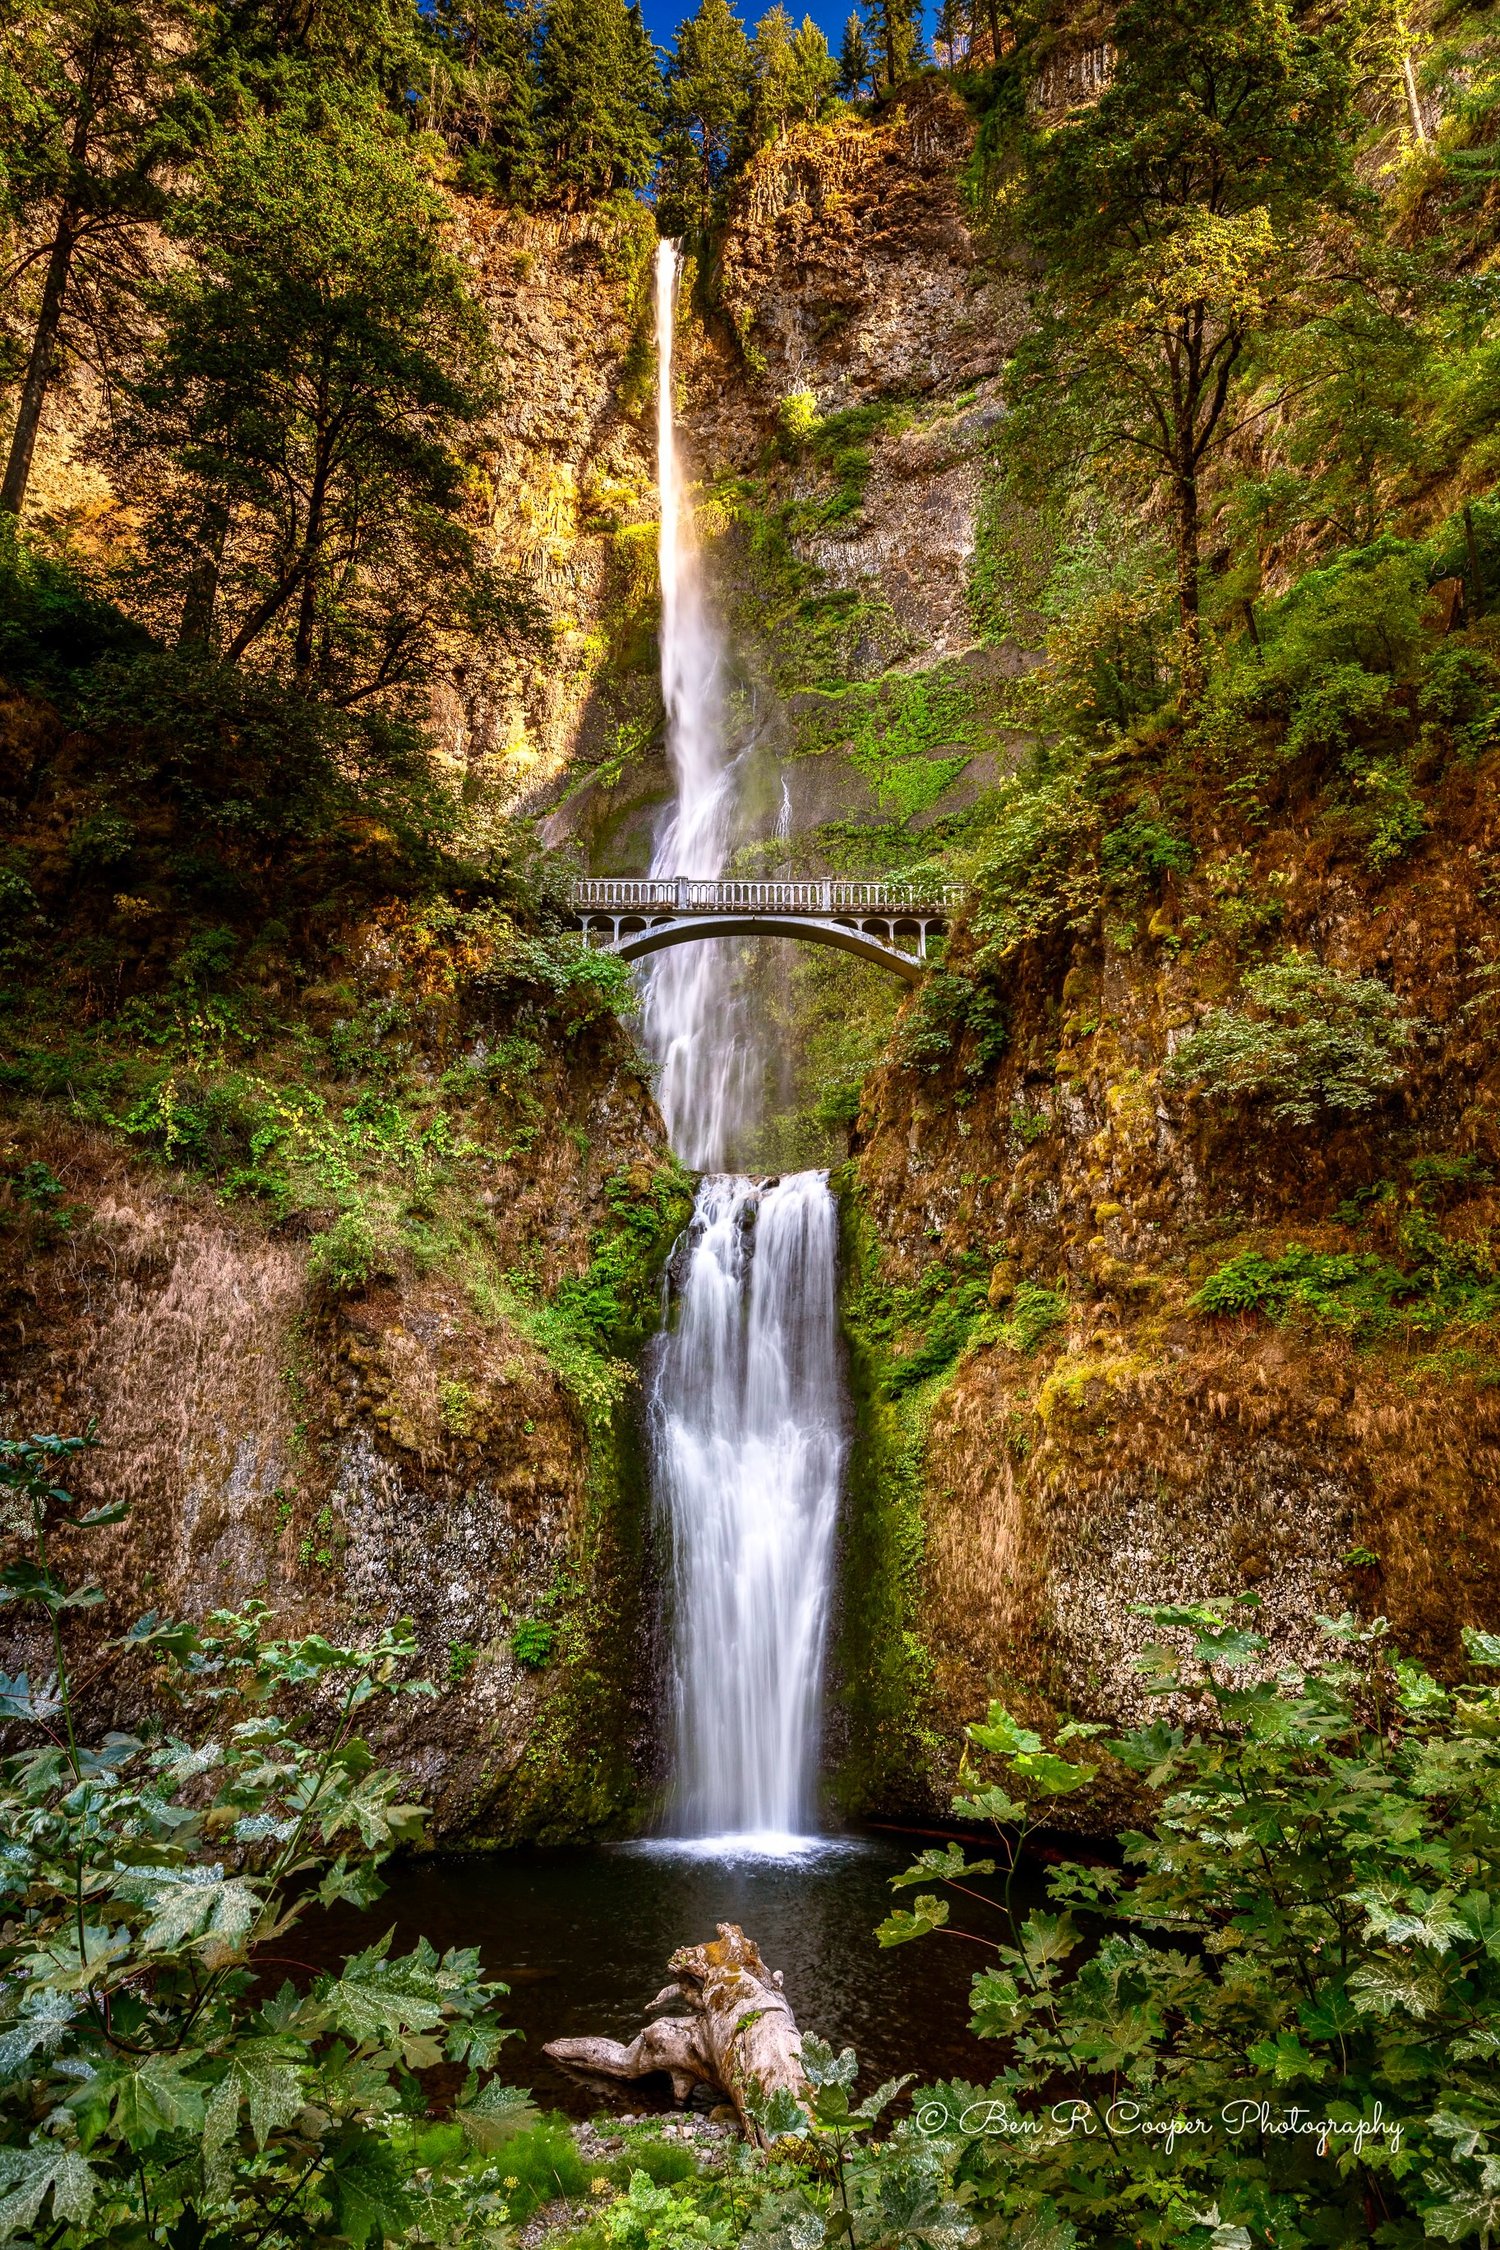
x=345, y=1255
x=1312, y=1038
x=1038, y=873
x=1366, y=1295
x=797, y=416
x=541, y=2163
x=161, y=2083
x=1278, y=2021
x=1035, y=1312
x=951, y=1009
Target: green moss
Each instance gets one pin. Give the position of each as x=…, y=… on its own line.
x=903, y=1348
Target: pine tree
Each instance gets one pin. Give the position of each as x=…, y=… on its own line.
x=953, y=33
x=482, y=91
x=894, y=28
x=709, y=94
x=295, y=439
x=794, y=74
x=599, y=101
x=108, y=107
x=855, y=61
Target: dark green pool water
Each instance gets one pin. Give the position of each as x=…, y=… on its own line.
x=582, y=1937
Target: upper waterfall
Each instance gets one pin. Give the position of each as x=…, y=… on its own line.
x=692, y=1020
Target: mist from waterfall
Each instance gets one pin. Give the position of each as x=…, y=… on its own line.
x=746, y=1399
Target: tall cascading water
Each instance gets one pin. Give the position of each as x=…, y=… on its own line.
x=746, y=1404
x=692, y=1015
x=748, y=1451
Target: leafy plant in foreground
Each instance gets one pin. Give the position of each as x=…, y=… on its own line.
x=1279, y=2022
x=161, y=2083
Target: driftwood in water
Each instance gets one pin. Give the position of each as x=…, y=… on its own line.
x=737, y=2036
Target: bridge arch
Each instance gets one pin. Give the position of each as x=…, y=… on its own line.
x=637, y=944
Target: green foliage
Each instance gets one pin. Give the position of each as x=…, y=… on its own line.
x=709, y=89
x=541, y=2162
x=1276, y=2023
x=1438, y=1283
x=532, y=1642
x=951, y=1011
x=1034, y=1312
x=1163, y=216
x=160, y=2084
x=1311, y=1039
x=794, y=75
x=319, y=360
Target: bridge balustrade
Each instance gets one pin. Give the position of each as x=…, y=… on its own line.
x=685, y=894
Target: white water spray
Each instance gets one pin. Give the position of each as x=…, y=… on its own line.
x=747, y=1427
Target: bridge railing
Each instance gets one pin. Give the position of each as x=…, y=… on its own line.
x=687, y=894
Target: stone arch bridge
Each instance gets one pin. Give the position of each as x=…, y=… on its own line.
x=891, y=923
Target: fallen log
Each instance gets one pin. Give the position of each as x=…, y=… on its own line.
x=738, y=2036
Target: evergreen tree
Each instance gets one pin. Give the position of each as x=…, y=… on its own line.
x=296, y=434
x=106, y=108
x=856, y=63
x=953, y=33
x=599, y=99
x=794, y=74
x=482, y=90
x=894, y=29
x=710, y=87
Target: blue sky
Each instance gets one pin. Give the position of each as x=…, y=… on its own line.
x=663, y=16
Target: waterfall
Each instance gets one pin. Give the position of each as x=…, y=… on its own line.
x=748, y=1444
x=691, y=1014
x=746, y=1409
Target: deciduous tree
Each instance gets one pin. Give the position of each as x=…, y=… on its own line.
x=1170, y=217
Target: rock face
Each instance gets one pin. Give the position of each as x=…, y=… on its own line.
x=1128, y=1448
x=411, y=1449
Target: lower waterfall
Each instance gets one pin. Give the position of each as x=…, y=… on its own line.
x=748, y=1445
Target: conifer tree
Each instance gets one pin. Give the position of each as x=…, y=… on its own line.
x=106, y=107
x=855, y=61
x=296, y=438
x=710, y=88
x=1169, y=217
x=794, y=74
x=482, y=91
x=599, y=99
x=894, y=29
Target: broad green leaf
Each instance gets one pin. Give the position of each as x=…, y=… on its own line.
x=782, y=2117
x=43, y=2021
x=946, y=1866
x=153, y=2097
x=27, y=2175
x=822, y=2067
x=191, y=1905
x=927, y=1914
x=495, y=2115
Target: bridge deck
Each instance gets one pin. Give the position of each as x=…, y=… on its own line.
x=637, y=915
x=821, y=897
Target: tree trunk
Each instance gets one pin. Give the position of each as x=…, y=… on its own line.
x=1187, y=587
x=40, y=364
x=738, y=2035
x=202, y=591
